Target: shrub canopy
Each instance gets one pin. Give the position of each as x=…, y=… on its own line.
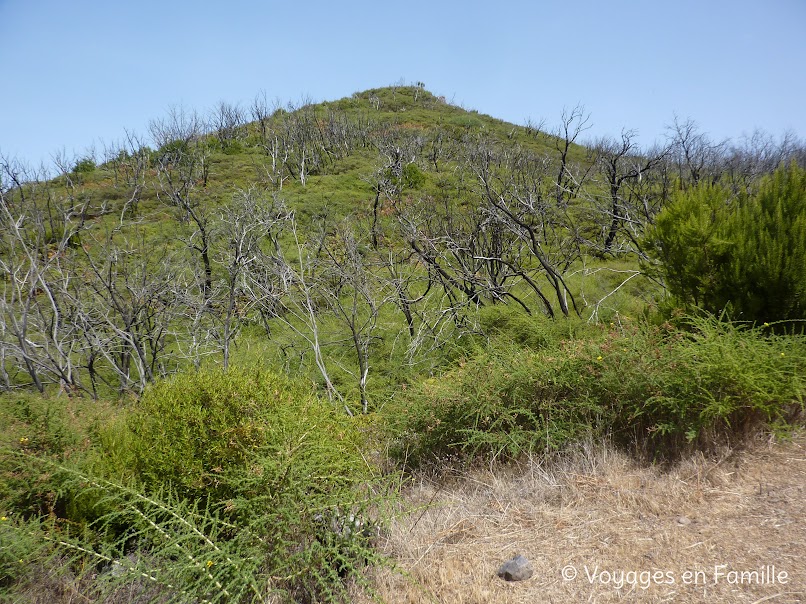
x=745, y=252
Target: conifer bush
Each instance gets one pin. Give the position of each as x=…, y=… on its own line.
x=744, y=253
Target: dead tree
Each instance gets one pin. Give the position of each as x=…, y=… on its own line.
x=182, y=168
x=36, y=261
x=127, y=310
x=570, y=176
x=513, y=187
x=130, y=161
x=227, y=121
x=696, y=156
x=242, y=228
x=621, y=162
x=352, y=295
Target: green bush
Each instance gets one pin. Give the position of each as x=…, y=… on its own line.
x=532, y=331
x=269, y=457
x=466, y=121
x=84, y=166
x=413, y=177
x=18, y=550
x=653, y=389
x=674, y=388
x=224, y=434
x=222, y=486
x=48, y=427
x=505, y=401
x=745, y=253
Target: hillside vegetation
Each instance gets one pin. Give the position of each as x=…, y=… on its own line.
x=226, y=346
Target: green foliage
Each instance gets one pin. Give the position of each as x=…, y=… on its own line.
x=746, y=253
x=216, y=434
x=652, y=388
x=40, y=424
x=185, y=550
x=233, y=147
x=84, y=166
x=269, y=457
x=47, y=427
x=534, y=332
x=242, y=486
x=174, y=150
x=19, y=548
x=505, y=401
x=413, y=177
x=466, y=121
x=671, y=387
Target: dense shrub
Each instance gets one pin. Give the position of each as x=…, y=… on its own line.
x=268, y=454
x=44, y=426
x=746, y=253
x=654, y=389
x=503, y=402
x=221, y=434
x=84, y=166
x=222, y=486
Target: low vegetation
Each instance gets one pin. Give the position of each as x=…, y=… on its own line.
x=224, y=350
x=655, y=390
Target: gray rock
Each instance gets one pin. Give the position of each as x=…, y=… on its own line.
x=517, y=569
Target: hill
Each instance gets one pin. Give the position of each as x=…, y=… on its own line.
x=226, y=348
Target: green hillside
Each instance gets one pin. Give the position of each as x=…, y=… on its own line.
x=224, y=345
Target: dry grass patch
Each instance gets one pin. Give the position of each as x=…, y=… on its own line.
x=596, y=509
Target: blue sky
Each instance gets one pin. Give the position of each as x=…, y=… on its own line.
x=77, y=73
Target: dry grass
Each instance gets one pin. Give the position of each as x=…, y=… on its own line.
x=597, y=508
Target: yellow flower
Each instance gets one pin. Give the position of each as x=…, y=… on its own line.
x=3, y=518
x=598, y=358
x=24, y=440
x=782, y=354
x=209, y=563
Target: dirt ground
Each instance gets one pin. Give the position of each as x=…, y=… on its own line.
x=597, y=527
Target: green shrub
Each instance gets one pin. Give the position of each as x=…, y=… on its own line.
x=653, y=389
x=232, y=147
x=746, y=254
x=413, y=177
x=532, y=331
x=48, y=427
x=673, y=388
x=84, y=166
x=505, y=401
x=466, y=121
x=239, y=486
x=269, y=455
x=18, y=550
x=221, y=434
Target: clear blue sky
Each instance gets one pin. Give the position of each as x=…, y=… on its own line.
x=77, y=73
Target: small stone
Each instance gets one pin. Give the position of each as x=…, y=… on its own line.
x=683, y=520
x=517, y=569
